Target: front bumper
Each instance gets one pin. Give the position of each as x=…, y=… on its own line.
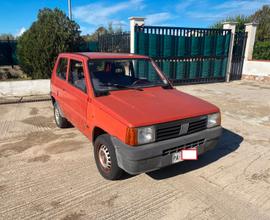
x=155, y=155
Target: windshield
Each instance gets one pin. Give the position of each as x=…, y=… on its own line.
x=108, y=75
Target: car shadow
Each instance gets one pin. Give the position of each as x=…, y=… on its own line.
x=228, y=143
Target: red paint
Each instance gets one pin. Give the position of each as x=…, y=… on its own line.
x=122, y=109
x=153, y=105
x=101, y=55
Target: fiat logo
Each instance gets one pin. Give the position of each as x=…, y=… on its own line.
x=184, y=128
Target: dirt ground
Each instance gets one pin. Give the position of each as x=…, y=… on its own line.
x=48, y=173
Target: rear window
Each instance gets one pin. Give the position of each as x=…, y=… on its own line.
x=61, y=71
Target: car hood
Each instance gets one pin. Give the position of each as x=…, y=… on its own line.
x=153, y=105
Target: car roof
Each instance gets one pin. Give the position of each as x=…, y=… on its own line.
x=103, y=55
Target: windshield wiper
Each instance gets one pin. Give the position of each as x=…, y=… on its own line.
x=167, y=86
x=119, y=86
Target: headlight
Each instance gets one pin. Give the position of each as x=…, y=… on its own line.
x=143, y=135
x=146, y=135
x=213, y=120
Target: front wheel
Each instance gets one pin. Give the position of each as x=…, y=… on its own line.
x=105, y=158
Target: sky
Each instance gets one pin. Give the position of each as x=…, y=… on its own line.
x=16, y=16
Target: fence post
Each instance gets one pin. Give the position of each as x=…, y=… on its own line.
x=134, y=21
x=251, y=34
x=9, y=53
x=232, y=26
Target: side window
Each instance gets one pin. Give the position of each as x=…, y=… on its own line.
x=62, y=68
x=76, y=75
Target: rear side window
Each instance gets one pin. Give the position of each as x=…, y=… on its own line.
x=62, y=68
x=76, y=75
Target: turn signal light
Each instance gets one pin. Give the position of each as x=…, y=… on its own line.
x=131, y=136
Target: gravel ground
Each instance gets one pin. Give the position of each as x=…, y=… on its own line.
x=48, y=173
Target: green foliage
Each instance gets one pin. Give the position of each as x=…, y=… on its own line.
x=262, y=17
x=240, y=19
x=262, y=45
x=40, y=45
x=103, y=30
x=261, y=50
x=94, y=37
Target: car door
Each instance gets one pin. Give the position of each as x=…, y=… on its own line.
x=77, y=97
x=60, y=84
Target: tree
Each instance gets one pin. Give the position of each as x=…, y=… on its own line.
x=39, y=46
x=261, y=50
x=103, y=30
x=262, y=43
x=262, y=17
x=240, y=19
x=94, y=37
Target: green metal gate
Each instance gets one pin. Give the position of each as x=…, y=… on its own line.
x=238, y=55
x=186, y=55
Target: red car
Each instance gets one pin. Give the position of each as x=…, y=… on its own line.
x=130, y=111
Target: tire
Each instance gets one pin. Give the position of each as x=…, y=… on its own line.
x=107, y=167
x=60, y=121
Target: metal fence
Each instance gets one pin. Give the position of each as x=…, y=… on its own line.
x=186, y=55
x=119, y=43
x=88, y=46
x=8, y=52
x=106, y=43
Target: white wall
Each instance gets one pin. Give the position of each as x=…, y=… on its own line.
x=256, y=68
x=24, y=88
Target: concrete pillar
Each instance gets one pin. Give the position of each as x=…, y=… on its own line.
x=251, y=31
x=232, y=26
x=134, y=21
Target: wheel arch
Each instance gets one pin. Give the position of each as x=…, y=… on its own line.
x=97, y=131
x=53, y=100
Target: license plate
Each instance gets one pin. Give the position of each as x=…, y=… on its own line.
x=190, y=154
x=186, y=154
x=176, y=157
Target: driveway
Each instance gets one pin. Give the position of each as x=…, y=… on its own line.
x=48, y=173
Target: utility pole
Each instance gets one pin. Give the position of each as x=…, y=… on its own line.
x=69, y=10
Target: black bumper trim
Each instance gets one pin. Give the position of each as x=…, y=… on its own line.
x=149, y=157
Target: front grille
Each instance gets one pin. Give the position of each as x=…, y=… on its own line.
x=184, y=146
x=173, y=129
x=197, y=125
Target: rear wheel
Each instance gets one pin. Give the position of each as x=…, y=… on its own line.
x=105, y=158
x=60, y=121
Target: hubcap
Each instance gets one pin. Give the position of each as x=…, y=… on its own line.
x=57, y=116
x=104, y=157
